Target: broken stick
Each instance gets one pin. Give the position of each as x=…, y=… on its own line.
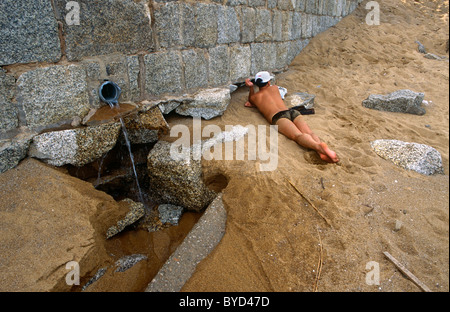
x=309, y=202
x=405, y=271
x=320, y=264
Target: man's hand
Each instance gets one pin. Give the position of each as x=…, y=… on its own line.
x=249, y=84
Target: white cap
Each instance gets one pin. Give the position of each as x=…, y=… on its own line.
x=264, y=76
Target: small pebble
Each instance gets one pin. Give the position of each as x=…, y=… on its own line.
x=398, y=225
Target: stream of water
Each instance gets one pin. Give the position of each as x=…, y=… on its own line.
x=128, y=143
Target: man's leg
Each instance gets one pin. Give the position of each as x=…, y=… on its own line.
x=292, y=131
x=325, y=153
x=304, y=128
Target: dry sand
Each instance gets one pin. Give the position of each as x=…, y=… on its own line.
x=274, y=238
x=272, y=234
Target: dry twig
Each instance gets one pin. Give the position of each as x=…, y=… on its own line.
x=321, y=182
x=320, y=264
x=408, y=274
x=309, y=202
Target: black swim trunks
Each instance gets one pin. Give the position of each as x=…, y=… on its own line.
x=291, y=114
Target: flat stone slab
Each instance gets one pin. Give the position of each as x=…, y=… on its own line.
x=300, y=99
x=107, y=114
x=77, y=147
x=198, y=244
x=207, y=104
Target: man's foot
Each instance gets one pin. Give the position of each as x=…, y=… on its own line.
x=325, y=158
x=327, y=155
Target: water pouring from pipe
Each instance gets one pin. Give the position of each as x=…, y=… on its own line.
x=109, y=92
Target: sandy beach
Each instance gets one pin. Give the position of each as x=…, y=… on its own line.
x=275, y=240
x=306, y=225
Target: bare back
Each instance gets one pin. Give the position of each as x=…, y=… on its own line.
x=268, y=101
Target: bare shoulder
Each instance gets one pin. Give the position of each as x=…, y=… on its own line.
x=274, y=88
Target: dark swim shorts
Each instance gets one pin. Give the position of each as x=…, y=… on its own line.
x=289, y=114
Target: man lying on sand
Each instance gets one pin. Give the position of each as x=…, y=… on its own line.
x=289, y=121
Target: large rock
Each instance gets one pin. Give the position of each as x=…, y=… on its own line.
x=248, y=19
x=200, y=242
x=282, y=26
x=12, y=151
x=168, y=105
x=177, y=181
x=146, y=124
x=207, y=104
x=28, y=32
x=185, y=24
x=402, y=101
x=134, y=70
x=136, y=212
x=77, y=147
x=300, y=99
x=106, y=27
x=170, y=214
x=49, y=219
x=411, y=156
x=54, y=94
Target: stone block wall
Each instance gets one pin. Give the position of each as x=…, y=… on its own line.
x=50, y=70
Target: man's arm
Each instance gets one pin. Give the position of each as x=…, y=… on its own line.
x=249, y=84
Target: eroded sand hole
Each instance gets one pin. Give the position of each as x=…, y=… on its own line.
x=217, y=182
